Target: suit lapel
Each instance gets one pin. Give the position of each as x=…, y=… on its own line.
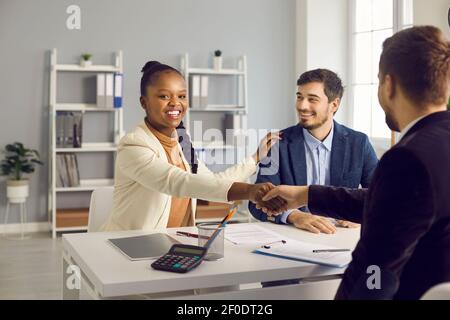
x=297, y=156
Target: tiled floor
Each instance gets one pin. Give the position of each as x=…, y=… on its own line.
x=31, y=268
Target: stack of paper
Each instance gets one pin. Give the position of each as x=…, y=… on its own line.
x=250, y=234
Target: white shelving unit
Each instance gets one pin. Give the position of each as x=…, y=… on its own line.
x=86, y=185
x=240, y=108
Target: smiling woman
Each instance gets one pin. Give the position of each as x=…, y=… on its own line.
x=158, y=176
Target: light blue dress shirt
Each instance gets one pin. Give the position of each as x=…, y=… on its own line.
x=318, y=157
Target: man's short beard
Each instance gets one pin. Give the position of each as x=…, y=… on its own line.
x=316, y=125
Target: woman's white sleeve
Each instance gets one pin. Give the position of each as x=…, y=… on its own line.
x=140, y=163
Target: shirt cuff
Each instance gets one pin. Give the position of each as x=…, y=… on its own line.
x=285, y=215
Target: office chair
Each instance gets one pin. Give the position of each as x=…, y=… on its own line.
x=440, y=291
x=100, y=207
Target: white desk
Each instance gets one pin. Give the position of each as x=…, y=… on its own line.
x=106, y=273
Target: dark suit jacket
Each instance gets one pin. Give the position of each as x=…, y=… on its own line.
x=405, y=214
x=352, y=162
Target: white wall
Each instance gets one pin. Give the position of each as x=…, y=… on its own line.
x=322, y=41
x=432, y=12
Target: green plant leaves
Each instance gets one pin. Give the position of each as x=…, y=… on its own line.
x=18, y=160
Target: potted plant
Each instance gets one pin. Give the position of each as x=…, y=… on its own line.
x=18, y=161
x=217, y=62
x=86, y=60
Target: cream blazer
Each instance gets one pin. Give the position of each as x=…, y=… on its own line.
x=145, y=182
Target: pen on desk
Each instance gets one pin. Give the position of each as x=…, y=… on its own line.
x=188, y=234
x=330, y=250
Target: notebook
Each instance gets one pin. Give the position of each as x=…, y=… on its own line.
x=303, y=251
x=144, y=247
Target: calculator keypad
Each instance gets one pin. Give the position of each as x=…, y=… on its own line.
x=176, y=263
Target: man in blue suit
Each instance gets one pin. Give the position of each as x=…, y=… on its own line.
x=317, y=150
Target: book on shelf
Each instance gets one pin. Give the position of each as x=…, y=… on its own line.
x=68, y=129
x=59, y=129
x=77, y=129
x=67, y=171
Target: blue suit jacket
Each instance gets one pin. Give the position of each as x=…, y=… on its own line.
x=352, y=162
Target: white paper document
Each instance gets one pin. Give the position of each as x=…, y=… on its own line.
x=303, y=251
x=250, y=234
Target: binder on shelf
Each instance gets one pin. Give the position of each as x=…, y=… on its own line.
x=195, y=92
x=204, y=92
x=109, y=90
x=118, y=89
x=101, y=98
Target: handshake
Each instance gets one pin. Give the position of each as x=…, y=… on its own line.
x=271, y=199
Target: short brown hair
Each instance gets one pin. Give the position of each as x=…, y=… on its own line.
x=332, y=84
x=418, y=58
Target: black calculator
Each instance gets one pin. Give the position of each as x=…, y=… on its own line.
x=181, y=258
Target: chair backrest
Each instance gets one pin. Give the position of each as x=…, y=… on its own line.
x=438, y=292
x=100, y=207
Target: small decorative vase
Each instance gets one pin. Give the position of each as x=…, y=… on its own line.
x=85, y=63
x=17, y=191
x=217, y=62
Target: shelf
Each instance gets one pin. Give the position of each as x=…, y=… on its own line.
x=211, y=145
x=220, y=108
x=93, y=68
x=66, y=229
x=66, y=220
x=90, y=147
x=82, y=107
x=210, y=71
x=88, y=185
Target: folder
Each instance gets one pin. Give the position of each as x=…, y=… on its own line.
x=101, y=99
x=303, y=251
x=109, y=90
x=195, y=92
x=204, y=92
x=144, y=247
x=118, y=88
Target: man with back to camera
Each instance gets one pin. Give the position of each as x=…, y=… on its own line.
x=405, y=212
